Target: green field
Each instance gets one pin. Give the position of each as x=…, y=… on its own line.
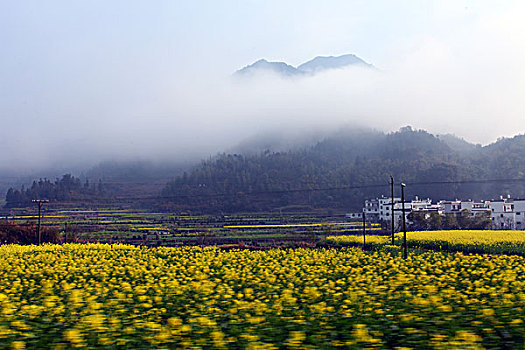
x=150, y=228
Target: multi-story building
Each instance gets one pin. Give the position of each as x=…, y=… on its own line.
x=450, y=206
x=519, y=209
x=385, y=207
x=455, y=207
x=505, y=213
x=380, y=209
x=371, y=210
x=508, y=213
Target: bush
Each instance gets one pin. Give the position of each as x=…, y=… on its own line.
x=12, y=233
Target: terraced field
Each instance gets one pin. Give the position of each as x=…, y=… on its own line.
x=148, y=228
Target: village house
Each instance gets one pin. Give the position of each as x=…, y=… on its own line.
x=508, y=213
x=505, y=213
x=380, y=209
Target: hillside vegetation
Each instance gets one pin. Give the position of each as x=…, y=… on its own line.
x=297, y=179
x=270, y=180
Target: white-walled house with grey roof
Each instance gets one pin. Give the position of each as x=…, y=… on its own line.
x=508, y=214
x=505, y=213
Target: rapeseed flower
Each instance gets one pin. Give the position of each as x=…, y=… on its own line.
x=96, y=296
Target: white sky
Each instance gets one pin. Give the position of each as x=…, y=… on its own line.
x=94, y=79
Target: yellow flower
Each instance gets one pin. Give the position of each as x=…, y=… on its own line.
x=17, y=345
x=73, y=336
x=487, y=312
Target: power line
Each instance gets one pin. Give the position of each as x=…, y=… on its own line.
x=461, y=182
x=301, y=190
x=225, y=194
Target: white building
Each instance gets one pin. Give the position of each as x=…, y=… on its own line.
x=421, y=205
x=508, y=214
x=455, y=207
x=380, y=209
x=371, y=210
x=385, y=207
x=451, y=206
x=505, y=213
x=355, y=216
x=519, y=209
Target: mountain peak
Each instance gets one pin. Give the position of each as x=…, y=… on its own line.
x=316, y=65
x=263, y=65
x=320, y=63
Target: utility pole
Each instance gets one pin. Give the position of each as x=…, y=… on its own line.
x=364, y=230
x=392, y=205
x=38, y=229
x=405, y=250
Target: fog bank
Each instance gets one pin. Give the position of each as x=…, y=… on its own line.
x=81, y=107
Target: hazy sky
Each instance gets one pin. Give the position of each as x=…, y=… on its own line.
x=82, y=81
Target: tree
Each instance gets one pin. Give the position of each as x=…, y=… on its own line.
x=63, y=189
x=436, y=221
x=481, y=221
x=464, y=219
x=451, y=223
x=417, y=221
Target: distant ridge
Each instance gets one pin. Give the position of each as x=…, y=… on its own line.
x=280, y=68
x=457, y=143
x=321, y=63
x=312, y=67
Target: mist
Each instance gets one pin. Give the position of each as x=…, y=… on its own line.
x=73, y=111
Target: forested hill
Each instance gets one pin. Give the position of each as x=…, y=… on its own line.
x=270, y=180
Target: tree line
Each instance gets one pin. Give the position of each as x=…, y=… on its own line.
x=464, y=220
x=64, y=189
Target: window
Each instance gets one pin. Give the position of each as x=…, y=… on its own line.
x=518, y=222
x=518, y=213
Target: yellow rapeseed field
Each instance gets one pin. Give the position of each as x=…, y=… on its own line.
x=476, y=241
x=118, y=296
x=335, y=224
x=471, y=236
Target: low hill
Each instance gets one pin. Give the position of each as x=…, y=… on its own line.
x=270, y=180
